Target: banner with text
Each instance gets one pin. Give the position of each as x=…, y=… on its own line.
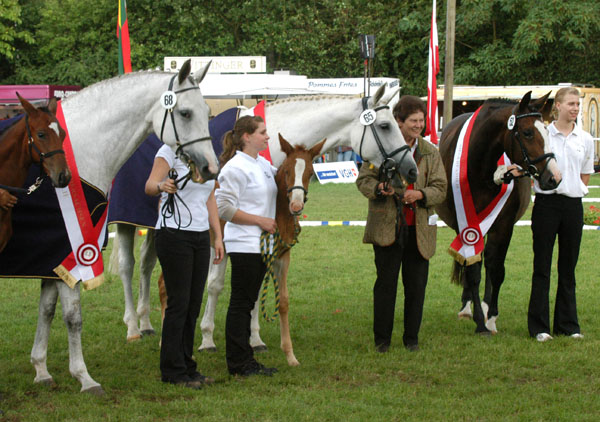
x=336, y=172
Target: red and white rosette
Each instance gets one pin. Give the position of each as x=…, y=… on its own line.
x=467, y=247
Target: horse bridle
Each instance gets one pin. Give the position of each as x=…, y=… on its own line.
x=179, y=152
x=389, y=164
x=531, y=169
x=43, y=155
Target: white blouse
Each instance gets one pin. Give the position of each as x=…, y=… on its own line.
x=574, y=156
x=246, y=184
x=194, y=195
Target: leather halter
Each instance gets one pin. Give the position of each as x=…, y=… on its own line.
x=43, y=155
x=531, y=169
x=32, y=145
x=388, y=162
x=180, y=152
x=299, y=188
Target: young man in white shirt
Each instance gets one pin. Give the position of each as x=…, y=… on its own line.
x=560, y=212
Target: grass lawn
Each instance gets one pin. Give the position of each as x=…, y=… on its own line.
x=457, y=375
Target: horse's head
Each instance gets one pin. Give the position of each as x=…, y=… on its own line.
x=45, y=138
x=529, y=144
x=377, y=138
x=295, y=172
x=181, y=120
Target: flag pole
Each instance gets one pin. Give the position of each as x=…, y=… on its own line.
x=433, y=70
x=449, y=61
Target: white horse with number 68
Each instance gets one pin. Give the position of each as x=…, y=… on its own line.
x=106, y=123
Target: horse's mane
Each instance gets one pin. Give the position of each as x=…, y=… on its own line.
x=4, y=128
x=321, y=97
x=104, y=82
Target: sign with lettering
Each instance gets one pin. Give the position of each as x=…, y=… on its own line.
x=220, y=64
x=336, y=172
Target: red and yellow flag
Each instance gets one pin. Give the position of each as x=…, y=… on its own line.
x=123, y=37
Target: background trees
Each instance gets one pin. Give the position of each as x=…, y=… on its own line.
x=498, y=42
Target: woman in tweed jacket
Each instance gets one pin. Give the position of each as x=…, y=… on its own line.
x=401, y=225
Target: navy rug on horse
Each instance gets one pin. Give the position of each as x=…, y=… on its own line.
x=128, y=202
x=40, y=242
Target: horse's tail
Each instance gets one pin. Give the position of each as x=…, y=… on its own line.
x=458, y=274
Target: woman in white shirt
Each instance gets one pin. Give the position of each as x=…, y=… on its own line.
x=183, y=249
x=559, y=212
x=246, y=200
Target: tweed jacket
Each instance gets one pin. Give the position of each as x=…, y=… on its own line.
x=383, y=213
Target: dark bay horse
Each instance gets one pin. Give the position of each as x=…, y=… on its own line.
x=501, y=127
x=35, y=138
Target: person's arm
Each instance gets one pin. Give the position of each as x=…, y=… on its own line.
x=435, y=191
x=215, y=225
x=158, y=182
x=368, y=183
x=585, y=178
x=232, y=184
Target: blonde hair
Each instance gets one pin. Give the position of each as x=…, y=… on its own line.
x=560, y=95
x=232, y=140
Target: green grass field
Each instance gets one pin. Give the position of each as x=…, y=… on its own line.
x=457, y=375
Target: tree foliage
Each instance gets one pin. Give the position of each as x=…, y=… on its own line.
x=498, y=42
x=10, y=32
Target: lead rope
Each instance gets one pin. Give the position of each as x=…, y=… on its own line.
x=268, y=256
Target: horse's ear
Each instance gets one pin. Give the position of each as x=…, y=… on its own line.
x=200, y=74
x=285, y=145
x=388, y=97
x=316, y=150
x=540, y=102
x=524, y=104
x=184, y=72
x=379, y=94
x=27, y=106
x=52, y=105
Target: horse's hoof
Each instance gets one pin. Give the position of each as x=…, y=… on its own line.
x=48, y=382
x=95, y=391
x=260, y=348
x=464, y=316
x=148, y=333
x=208, y=349
x=134, y=338
x=293, y=362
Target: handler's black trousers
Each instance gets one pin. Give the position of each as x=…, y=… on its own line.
x=247, y=273
x=184, y=257
x=415, y=269
x=563, y=216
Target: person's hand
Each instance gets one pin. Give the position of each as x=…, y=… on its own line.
x=168, y=186
x=267, y=224
x=383, y=191
x=411, y=196
x=219, y=251
x=7, y=200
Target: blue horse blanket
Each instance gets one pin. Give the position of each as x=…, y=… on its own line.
x=128, y=202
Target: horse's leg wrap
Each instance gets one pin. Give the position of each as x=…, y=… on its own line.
x=47, y=307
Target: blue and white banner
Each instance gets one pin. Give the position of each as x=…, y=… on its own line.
x=336, y=172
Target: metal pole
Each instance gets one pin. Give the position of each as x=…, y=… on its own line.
x=449, y=61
